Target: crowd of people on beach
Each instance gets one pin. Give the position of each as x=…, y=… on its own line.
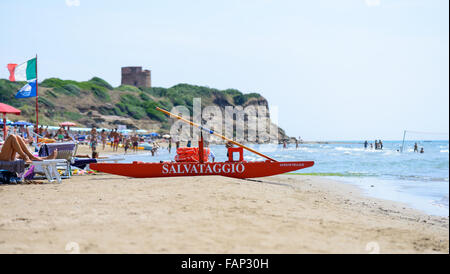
x=116, y=139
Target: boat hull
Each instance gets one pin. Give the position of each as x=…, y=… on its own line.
x=174, y=169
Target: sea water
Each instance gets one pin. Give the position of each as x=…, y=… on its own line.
x=419, y=180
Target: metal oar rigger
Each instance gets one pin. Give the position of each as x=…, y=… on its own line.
x=215, y=133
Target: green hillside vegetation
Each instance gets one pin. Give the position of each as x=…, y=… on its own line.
x=92, y=102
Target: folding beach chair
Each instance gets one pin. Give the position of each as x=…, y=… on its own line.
x=66, y=152
x=47, y=167
x=50, y=168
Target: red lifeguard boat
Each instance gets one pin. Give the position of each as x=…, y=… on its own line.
x=194, y=162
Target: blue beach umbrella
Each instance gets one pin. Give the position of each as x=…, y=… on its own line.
x=22, y=123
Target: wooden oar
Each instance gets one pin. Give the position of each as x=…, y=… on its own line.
x=214, y=133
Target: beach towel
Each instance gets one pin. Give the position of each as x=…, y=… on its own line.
x=29, y=175
x=17, y=166
x=82, y=163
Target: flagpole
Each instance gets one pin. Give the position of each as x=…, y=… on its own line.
x=37, y=106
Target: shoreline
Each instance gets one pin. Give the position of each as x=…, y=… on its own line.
x=377, y=188
x=105, y=213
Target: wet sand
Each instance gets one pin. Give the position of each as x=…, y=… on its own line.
x=281, y=214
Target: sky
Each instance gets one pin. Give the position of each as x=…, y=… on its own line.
x=336, y=70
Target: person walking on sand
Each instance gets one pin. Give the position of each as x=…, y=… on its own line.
x=16, y=145
x=93, y=139
x=127, y=144
x=116, y=140
x=111, y=138
x=188, y=143
x=135, y=142
x=104, y=137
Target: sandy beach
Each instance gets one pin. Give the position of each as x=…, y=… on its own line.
x=104, y=213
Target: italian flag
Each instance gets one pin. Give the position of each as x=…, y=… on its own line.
x=23, y=72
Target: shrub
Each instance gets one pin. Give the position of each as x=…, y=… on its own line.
x=100, y=82
x=144, y=97
x=72, y=89
x=101, y=93
x=136, y=112
x=128, y=88
x=74, y=116
x=239, y=99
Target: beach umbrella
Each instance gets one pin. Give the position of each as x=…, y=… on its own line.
x=4, y=108
x=67, y=124
x=167, y=136
x=22, y=123
x=154, y=134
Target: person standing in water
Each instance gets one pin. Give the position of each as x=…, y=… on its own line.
x=169, y=147
x=380, y=144
x=421, y=150
x=376, y=144
x=366, y=144
x=296, y=143
x=416, y=147
x=228, y=145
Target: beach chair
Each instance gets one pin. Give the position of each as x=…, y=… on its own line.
x=50, y=168
x=66, y=152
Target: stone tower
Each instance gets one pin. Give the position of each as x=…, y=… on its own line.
x=135, y=76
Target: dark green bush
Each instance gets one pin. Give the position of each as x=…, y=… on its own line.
x=100, y=82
